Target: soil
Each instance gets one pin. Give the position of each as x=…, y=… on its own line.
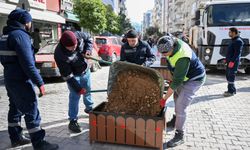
x=134, y=93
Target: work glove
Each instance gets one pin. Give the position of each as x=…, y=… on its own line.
x=162, y=102
x=231, y=64
x=41, y=90
x=82, y=91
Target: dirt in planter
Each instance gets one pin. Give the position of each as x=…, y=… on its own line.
x=134, y=93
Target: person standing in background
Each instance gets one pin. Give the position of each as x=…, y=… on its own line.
x=232, y=60
x=36, y=40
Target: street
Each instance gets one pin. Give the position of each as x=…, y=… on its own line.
x=214, y=122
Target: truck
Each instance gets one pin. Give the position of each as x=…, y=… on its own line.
x=209, y=37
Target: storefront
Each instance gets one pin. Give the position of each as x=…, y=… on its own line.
x=48, y=22
x=72, y=22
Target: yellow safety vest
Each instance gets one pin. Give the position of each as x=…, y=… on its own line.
x=184, y=51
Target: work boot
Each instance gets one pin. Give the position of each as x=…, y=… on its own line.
x=44, y=145
x=177, y=140
x=228, y=94
x=74, y=126
x=171, y=123
x=23, y=141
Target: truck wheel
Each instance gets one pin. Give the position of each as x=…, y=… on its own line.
x=247, y=70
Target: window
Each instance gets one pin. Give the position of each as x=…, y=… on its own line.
x=100, y=41
x=229, y=15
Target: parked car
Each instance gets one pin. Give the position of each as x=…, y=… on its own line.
x=46, y=64
x=109, y=47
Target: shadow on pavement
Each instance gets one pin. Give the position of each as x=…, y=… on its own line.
x=244, y=89
x=205, y=98
x=57, y=132
x=53, y=80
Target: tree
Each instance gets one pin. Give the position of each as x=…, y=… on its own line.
x=152, y=31
x=112, y=20
x=91, y=14
x=124, y=23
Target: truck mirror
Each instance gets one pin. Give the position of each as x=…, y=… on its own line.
x=197, y=17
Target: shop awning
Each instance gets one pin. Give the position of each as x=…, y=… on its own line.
x=6, y=8
x=36, y=14
x=71, y=17
x=46, y=16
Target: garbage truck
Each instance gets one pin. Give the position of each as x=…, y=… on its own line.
x=209, y=37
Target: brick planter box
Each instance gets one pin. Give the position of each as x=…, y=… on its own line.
x=125, y=129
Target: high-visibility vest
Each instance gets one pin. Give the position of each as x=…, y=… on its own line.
x=184, y=51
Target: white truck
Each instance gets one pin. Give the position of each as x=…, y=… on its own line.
x=210, y=35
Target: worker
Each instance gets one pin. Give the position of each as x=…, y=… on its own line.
x=69, y=56
x=188, y=76
x=136, y=51
x=233, y=60
x=20, y=75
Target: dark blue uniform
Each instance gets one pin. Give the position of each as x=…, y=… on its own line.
x=20, y=73
x=233, y=55
x=73, y=63
x=141, y=54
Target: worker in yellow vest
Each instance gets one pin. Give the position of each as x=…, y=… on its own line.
x=188, y=76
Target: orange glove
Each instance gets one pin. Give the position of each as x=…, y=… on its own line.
x=162, y=102
x=231, y=64
x=82, y=92
x=42, y=91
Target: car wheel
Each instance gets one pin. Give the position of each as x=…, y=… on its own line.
x=94, y=67
x=114, y=57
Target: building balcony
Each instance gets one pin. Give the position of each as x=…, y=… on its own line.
x=179, y=2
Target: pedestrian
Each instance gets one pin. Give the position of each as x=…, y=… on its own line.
x=150, y=42
x=188, y=76
x=136, y=51
x=36, y=39
x=20, y=75
x=232, y=60
x=69, y=56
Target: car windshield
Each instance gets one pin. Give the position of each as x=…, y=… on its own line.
x=100, y=41
x=229, y=15
x=49, y=48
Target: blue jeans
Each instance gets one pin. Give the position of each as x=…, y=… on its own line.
x=74, y=97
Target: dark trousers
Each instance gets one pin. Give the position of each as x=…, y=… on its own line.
x=23, y=101
x=230, y=75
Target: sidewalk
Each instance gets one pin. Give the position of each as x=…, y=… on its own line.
x=214, y=122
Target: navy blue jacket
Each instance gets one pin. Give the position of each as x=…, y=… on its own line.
x=73, y=63
x=141, y=54
x=234, y=50
x=21, y=66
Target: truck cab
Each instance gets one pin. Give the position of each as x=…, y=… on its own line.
x=213, y=21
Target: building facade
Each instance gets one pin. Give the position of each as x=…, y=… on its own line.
x=157, y=14
x=115, y=4
x=147, y=20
